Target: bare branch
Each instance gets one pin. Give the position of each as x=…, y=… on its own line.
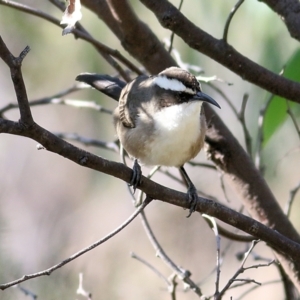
x=241, y=116
x=289, y=12
x=135, y=36
x=218, y=267
x=113, y=146
x=79, y=253
x=184, y=275
x=293, y=194
x=153, y=269
x=173, y=35
x=172, y=19
x=260, y=135
x=289, y=111
x=81, y=291
x=106, y=52
x=240, y=270
x=233, y=11
x=14, y=64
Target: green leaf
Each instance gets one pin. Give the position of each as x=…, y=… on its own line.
x=276, y=113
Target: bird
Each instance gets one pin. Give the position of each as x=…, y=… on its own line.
x=159, y=119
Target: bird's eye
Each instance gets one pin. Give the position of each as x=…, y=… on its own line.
x=184, y=97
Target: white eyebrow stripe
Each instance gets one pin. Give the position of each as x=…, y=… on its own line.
x=172, y=84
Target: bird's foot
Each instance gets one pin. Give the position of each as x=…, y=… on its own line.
x=193, y=199
x=137, y=175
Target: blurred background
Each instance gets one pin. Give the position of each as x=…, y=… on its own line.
x=51, y=208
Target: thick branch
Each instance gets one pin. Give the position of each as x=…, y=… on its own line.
x=129, y=31
x=154, y=190
x=289, y=11
x=169, y=17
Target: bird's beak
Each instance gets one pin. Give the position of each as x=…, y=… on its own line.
x=203, y=97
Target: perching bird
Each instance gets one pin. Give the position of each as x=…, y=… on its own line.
x=158, y=119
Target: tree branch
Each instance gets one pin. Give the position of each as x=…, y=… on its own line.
x=79, y=253
x=289, y=12
x=131, y=32
x=172, y=19
x=14, y=63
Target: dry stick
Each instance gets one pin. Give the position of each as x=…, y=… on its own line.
x=173, y=34
x=289, y=12
x=15, y=63
x=255, y=287
x=84, y=35
x=221, y=176
x=214, y=228
x=170, y=18
x=81, y=291
x=27, y=292
x=222, y=231
x=113, y=146
x=241, y=269
x=152, y=268
x=81, y=252
x=58, y=99
x=241, y=117
x=293, y=194
x=260, y=135
x=184, y=275
x=106, y=56
x=230, y=16
x=289, y=111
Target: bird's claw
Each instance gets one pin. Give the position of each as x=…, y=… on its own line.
x=193, y=199
x=136, y=176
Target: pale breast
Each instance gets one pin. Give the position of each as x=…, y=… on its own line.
x=178, y=135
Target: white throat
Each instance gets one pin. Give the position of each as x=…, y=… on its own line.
x=177, y=129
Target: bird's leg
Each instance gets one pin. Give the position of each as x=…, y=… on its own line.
x=137, y=175
x=192, y=192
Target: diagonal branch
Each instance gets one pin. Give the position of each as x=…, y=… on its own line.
x=81, y=33
x=289, y=12
x=14, y=63
x=172, y=19
x=132, y=30
x=81, y=252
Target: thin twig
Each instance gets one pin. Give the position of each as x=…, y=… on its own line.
x=183, y=274
x=152, y=268
x=81, y=33
x=241, y=269
x=260, y=135
x=221, y=176
x=289, y=111
x=81, y=291
x=255, y=287
x=173, y=34
x=248, y=139
x=293, y=194
x=214, y=228
x=203, y=165
x=14, y=64
x=81, y=252
x=58, y=99
x=230, y=16
x=27, y=292
x=113, y=146
x=224, y=96
x=141, y=193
